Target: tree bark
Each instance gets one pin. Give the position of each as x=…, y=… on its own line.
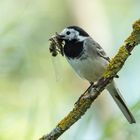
x=85, y=102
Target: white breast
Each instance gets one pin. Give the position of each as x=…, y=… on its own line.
x=89, y=69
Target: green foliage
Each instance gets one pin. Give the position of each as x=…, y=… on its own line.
x=31, y=101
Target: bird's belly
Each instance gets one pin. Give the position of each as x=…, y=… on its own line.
x=88, y=69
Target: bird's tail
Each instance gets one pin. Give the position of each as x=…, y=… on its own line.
x=115, y=93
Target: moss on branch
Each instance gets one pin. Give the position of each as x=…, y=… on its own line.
x=113, y=68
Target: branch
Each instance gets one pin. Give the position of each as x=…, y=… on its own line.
x=85, y=102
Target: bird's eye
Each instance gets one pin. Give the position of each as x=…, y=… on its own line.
x=68, y=32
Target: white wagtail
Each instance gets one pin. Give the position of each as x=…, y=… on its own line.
x=89, y=60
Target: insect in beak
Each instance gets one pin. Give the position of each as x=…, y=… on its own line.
x=56, y=45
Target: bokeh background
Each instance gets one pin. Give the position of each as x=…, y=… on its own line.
x=36, y=90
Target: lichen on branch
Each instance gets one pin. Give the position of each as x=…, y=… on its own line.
x=113, y=68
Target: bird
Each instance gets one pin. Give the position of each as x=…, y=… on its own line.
x=89, y=61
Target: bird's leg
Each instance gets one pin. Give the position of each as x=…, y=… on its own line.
x=88, y=90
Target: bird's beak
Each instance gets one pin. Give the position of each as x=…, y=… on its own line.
x=59, y=36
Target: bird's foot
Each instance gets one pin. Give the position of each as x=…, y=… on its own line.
x=88, y=91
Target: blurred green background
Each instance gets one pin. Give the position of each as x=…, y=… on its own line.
x=36, y=90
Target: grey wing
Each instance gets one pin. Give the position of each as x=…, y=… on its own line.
x=96, y=49
x=101, y=52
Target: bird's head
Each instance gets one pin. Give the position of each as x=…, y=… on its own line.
x=72, y=33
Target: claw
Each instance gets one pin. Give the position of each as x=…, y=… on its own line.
x=88, y=90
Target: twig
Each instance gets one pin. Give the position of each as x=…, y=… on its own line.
x=113, y=68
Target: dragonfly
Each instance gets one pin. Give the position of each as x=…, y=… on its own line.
x=55, y=48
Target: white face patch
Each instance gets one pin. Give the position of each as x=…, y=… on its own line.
x=70, y=34
x=81, y=38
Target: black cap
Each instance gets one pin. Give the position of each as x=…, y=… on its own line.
x=80, y=30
